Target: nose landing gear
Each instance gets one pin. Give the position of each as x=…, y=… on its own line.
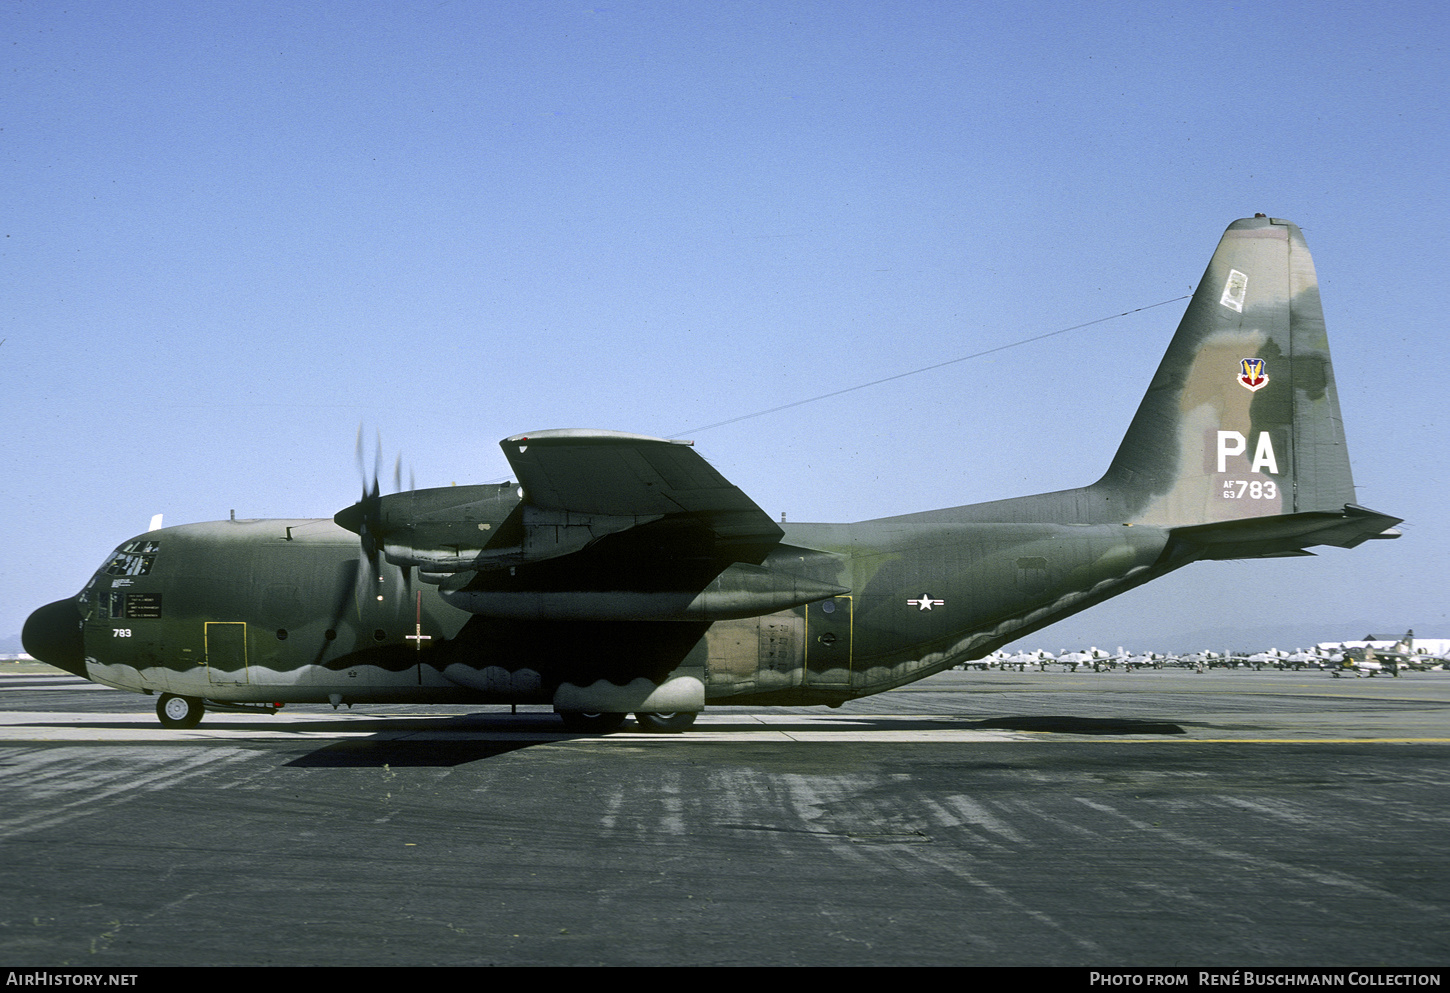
x=179, y=712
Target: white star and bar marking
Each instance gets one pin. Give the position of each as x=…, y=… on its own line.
x=925, y=603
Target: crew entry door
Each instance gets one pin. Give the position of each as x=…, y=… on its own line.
x=226, y=652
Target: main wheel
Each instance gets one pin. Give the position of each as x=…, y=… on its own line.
x=666, y=723
x=179, y=711
x=582, y=722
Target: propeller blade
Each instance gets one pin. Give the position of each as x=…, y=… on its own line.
x=364, y=517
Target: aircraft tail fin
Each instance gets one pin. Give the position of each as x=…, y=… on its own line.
x=1241, y=421
x=1237, y=448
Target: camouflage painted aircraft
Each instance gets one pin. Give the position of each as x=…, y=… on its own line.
x=623, y=574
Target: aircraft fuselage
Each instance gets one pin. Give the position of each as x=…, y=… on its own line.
x=289, y=611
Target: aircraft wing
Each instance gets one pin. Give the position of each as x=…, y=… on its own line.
x=602, y=526
x=657, y=501
x=610, y=474
x=627, y=528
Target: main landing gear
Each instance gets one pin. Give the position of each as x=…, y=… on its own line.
x=581, y=722
x=666, y=723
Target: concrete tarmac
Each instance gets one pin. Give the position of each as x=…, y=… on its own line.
x=1231, y=818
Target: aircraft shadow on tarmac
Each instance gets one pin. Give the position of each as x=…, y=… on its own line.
x=442, y=750
x=402, y=754
x=463, y=738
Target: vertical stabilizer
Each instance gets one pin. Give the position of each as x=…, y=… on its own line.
x=1242, y=418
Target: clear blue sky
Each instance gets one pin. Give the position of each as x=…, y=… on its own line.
x=232, y=232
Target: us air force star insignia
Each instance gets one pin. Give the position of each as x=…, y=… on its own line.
x=925, y=603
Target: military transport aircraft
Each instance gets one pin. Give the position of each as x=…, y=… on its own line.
x=623, y=573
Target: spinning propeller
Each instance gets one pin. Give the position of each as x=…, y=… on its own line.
x=365, y=518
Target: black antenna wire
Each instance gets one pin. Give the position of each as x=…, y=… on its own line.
x=929, y=368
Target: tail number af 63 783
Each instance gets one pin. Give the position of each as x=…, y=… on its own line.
x=1249, y=489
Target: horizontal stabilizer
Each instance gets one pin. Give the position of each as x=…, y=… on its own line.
x=1287, y=534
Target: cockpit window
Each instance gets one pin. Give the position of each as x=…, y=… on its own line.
x=134, y=558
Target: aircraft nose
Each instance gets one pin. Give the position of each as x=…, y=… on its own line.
x=53, y=635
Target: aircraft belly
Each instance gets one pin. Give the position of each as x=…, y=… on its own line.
x=120, y=676
x=497, y=681
x=681, y=692
x=316, y=684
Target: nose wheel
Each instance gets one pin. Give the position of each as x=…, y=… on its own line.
x=179, y=711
